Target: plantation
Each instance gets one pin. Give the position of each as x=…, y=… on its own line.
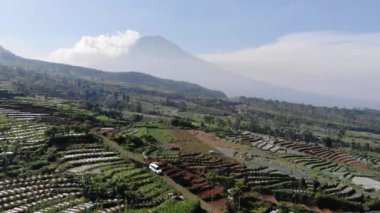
x=305, y=170
x=64, y=156
x=70, y=172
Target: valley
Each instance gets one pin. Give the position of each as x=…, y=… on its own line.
x=74, y=139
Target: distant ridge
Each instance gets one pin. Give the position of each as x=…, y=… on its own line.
x=157, y=56
x=160, y=57
x=7, y=58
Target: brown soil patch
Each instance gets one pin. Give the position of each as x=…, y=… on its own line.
x=268, y=198
x=219, y=204
x=316, y=209
x=189, y=142
x=108, y=133
x=214, y=141
x=192, y=181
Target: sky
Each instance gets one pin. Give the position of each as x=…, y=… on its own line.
x=197, y=26
x=322, y=46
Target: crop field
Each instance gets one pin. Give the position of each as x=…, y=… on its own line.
x=46, y=168
x=272, y=144
x=71, y=172
x=362, y=137
x=24, y=135
x=327, y=168
x=159, y=134
x=372, y=161
x=92, y=158
x=191, y=172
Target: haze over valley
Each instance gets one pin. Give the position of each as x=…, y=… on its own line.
x=328, y=75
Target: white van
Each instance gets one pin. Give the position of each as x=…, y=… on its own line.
x=155, y=168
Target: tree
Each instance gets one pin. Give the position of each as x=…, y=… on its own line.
x=181, y=122
x=237, y=192
x=138, y=107
x=8, y=155
x=212, y=177
x=83, y=127
x=367, y=147
x=328, y=142
x=353, y=145
x=52, y=132
x=220, y=123
x=341, y=134
x=302, y=183
x=253, y=125
x=316, y=185
x=125, y=98
x=182, y=106
x=110, y=101
x=6, y=159
x=237, y=123
x=308, y=136
x=137, y=117
x=209, y=119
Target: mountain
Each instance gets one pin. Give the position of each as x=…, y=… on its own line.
x=157, y=56
x=133, y=80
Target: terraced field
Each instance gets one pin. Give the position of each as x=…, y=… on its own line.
x=28, y=136
x=321, y=165
x=75, y=173
x=343, y=191
x=21, y=115
x=327, y=174
x=91, y=157
x=284, y=187
x=368, y=160
x=275, y=145
x=191, y=172
x=36, y=192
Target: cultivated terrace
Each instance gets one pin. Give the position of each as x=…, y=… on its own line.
x=61, y=154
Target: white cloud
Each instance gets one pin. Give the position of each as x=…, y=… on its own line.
x=341, y=64
x=89, y=50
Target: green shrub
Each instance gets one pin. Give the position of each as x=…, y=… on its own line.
x=332, y=202
x=38, y=165
x=180, y=122
x=298, y=209
x=186, y=206
x=372, y=205
x=282, y=208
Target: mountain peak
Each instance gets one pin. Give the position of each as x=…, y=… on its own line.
x=156, y=46
x=155, y=38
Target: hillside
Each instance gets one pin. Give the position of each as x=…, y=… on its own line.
x=131, y=80
x=161, y=57
x=91, y=135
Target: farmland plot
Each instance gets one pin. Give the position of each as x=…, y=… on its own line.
x=367, y=183
x=26, y=135
x=62, y=175
x=91, y=158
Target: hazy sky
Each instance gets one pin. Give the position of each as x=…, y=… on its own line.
x=323, y=46
x=197, y=26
